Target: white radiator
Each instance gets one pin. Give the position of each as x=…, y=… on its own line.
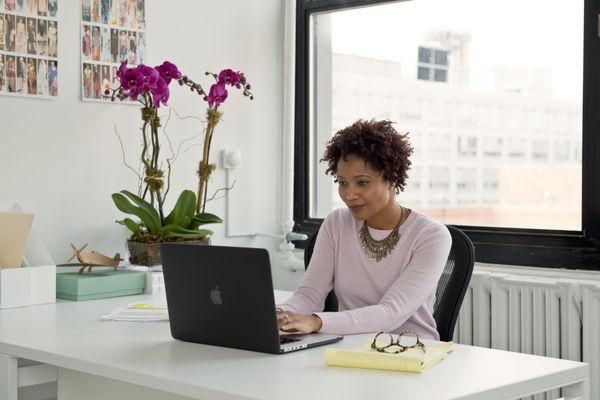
x=557, y=315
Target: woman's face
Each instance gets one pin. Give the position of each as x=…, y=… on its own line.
x=362, y=188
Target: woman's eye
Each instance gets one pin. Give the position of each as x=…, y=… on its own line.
x=363, y=183
x=341, y=183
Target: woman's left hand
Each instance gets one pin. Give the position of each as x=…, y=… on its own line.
x=289, y=321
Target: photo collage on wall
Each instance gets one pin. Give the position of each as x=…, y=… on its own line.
x=111, y=31
x=29, y=48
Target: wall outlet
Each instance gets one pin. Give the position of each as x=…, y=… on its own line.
x=231, y=159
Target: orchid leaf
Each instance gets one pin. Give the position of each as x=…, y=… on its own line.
x=131, y=225
x=204, y=218
x=178, y=231
x=184, y=209
x=124, y=205
x=149, y=208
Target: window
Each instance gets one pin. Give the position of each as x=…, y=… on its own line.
x=467, y=146
x=439, y=179
x=433, y=64
x=562, y=150
x=487, y=139
x=492, y=147
x=540, y=150
x=517, y=148
x=466, y=179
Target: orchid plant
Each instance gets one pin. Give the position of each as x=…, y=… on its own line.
x=150, y=87
x=216, y=96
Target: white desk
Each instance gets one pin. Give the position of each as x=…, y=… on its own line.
x=111, y=360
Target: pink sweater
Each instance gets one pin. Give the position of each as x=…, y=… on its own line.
x=392, y=295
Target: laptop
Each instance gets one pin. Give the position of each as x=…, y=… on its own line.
x=223, y=296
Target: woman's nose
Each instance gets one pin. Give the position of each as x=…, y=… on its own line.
x=350, y=193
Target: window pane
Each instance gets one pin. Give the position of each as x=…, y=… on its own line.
x=441, y=57
x=424, y=55
x=494, y=115
x=440, y=75
x=424, y=73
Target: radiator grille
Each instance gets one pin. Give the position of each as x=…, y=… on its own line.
x=547, y=316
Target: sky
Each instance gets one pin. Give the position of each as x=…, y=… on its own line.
x=531, y=33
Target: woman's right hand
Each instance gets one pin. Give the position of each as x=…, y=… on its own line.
x=289, y=321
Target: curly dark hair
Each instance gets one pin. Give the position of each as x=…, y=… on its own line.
x=376, y=142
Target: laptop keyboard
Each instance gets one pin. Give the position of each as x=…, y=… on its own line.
x=288, y=339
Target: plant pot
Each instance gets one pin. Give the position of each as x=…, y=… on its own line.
x=148, y=254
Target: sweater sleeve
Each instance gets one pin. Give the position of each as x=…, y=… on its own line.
x=318, y=279
x=409, y=292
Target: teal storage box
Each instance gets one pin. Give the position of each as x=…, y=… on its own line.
x=99, y=284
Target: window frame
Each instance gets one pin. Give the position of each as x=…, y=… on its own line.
x=510, y=246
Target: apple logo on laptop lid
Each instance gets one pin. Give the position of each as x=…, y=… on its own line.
x=215, y=296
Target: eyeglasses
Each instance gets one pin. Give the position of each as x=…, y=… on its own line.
x=388, y=343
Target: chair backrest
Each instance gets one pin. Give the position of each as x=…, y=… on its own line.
x=331, y=301
x=453, y=283
x=451, y=288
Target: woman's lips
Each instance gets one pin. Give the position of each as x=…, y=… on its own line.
x=355, y=208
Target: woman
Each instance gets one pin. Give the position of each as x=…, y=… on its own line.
x=52, y=39
x=32, y=6
x=53, y=79
x=21, y=74
x=42, y=78
x=52, y=7
x=31, y=76
x=11, y=74
x=21, y=36
x=123, y=45
x=114, y=13
x=10, y=32
x=2, y=84
x=43, y=7
x=31, y=36
x=105, y=80
x=87, y=44
x=95, y=11
x=383, y=260
x=114, y=45
x=87, y=81
x=97, y=82
x=42, y=39
x=96, y=43
x=2, y=45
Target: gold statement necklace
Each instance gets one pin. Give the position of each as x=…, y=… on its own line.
x=379, y=249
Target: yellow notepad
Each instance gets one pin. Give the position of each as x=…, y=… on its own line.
x=412, y=360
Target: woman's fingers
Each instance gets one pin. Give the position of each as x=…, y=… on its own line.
x=289, y=321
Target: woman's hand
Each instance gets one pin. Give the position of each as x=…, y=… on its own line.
x=289, y=321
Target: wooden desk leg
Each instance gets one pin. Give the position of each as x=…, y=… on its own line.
x=8, y=377
x=577, y=391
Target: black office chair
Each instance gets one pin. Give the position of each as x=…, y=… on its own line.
x=451, y=288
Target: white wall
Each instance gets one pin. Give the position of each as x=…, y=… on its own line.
x=61, y=159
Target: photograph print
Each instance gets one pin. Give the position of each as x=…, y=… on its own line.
x=42, y=77
x=2, y=74
x=32, y=36
x=42, y=37
x=2, y=35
